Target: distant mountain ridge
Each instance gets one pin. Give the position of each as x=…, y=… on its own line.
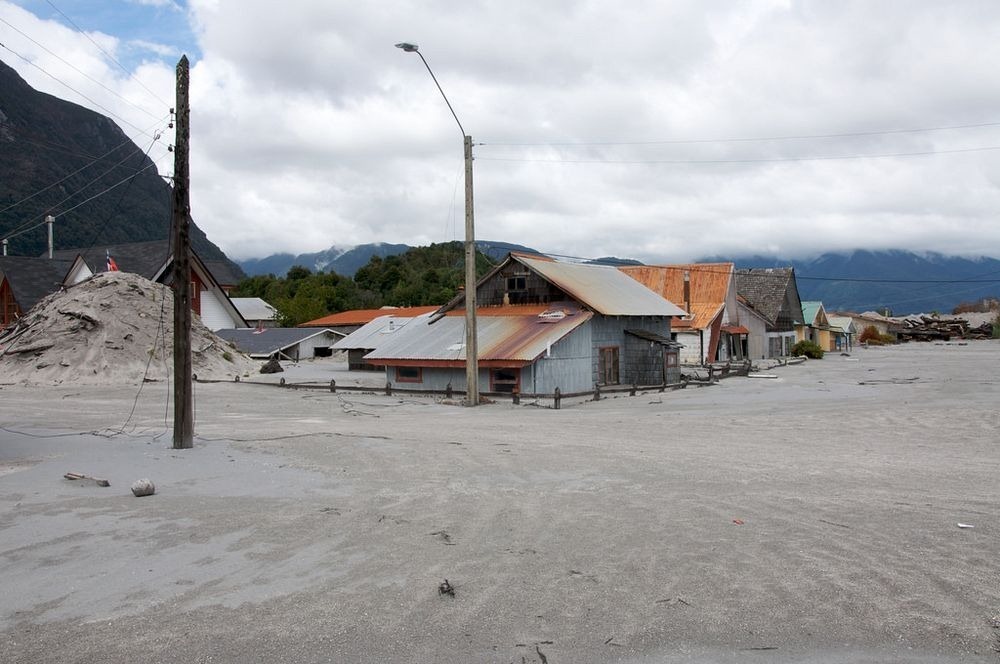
x=903, y=281
x=347, y=261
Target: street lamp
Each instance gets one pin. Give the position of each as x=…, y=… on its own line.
x=471, y=353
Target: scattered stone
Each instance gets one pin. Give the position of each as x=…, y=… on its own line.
x=445, y=588
x=271, y=366
x=143, y=487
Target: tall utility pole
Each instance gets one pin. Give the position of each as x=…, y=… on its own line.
x=471, y=343
x=181, y=243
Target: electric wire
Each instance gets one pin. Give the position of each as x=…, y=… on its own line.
x=765, y=160
x=108, y=55
x=31, y=224
x=77, y=69
x=70, y=87
x=761, y=139
x=94, y=161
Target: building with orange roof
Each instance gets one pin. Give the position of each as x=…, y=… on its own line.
x=542, y=324
x=349, y=321
x=710, y=330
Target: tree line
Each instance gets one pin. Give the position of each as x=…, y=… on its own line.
x=428, y=275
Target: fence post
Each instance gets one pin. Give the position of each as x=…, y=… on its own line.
x=597, y=392
x=558, y=398
x=281, y=382
x=388, y=389
x=447, y=390
x=333, y=385
x=631, y=392
x=517, y=396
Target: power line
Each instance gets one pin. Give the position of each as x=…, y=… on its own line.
x=690, y=141
x=743, y=161
x=77, y=69
x=18, y=230
x=82, y=168
x=68, y=86
x=114, y=186
x=108, y=55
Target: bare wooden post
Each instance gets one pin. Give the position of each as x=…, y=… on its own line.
x=558, y=399
x=631, y=392
x=281, y=382
x=333, y=385
x=388, y=389
x=517, y=396
x=447, y=391
x=183, y=401
x=597, y=392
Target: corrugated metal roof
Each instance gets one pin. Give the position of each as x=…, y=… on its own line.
x=602, y=287
x=364, y=316
x=373, y=334
x=270, y=340
x=708, y=286
x=512, y=338
x=810, y=310
x=254, y=308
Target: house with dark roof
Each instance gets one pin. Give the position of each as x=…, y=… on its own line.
x=710, y=331
x=282, y=343
x=773, y=293
x=25, y=280
x=541, y=324
x=154, y=260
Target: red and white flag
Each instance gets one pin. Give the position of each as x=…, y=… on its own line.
x=112, y=265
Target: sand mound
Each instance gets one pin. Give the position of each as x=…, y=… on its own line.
x=106, y=330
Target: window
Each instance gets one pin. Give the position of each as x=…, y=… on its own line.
x=8, y=305
x=607, y=365
x=409, y=375
x=517, y=283
x=505, y=380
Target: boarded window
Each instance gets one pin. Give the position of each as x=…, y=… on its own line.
x=607, y=369
x=505, y=380
x=409, y=375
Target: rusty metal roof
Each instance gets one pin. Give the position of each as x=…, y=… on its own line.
x=603, y=288
x=363, y=316
x=708, y=286
x=374, y=333
x=510, y=338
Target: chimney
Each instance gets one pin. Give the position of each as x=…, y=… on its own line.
x=50, y=220
x=687, y=291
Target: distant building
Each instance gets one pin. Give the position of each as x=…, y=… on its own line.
x=773, y=293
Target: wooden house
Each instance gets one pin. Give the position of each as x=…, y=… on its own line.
x=773, y=293
x=542, y=324
x=710, y=330
x=815, y=326
x=845, y=333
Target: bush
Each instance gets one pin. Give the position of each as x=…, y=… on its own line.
x=871, y=336
x=809, y=349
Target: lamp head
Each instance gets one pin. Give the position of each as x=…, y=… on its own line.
x=409, y=48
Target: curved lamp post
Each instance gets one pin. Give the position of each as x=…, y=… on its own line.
x=471, y=351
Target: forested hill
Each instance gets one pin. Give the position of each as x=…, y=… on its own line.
x=54, y=155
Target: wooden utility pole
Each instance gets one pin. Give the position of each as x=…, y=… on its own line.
x=181, y=244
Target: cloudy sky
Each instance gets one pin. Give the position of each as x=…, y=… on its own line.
x=663, y=131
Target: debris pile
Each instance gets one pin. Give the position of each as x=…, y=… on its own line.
x=115, y=328
x=927, y=328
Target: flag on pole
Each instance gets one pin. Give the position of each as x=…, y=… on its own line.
x=112, y=265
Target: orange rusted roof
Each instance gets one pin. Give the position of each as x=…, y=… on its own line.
x=709, y=285
x=514, y=338
x=363, y=316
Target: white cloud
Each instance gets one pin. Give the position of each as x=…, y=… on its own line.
x=310, y=129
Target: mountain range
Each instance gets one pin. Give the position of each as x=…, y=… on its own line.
x=902, y=281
